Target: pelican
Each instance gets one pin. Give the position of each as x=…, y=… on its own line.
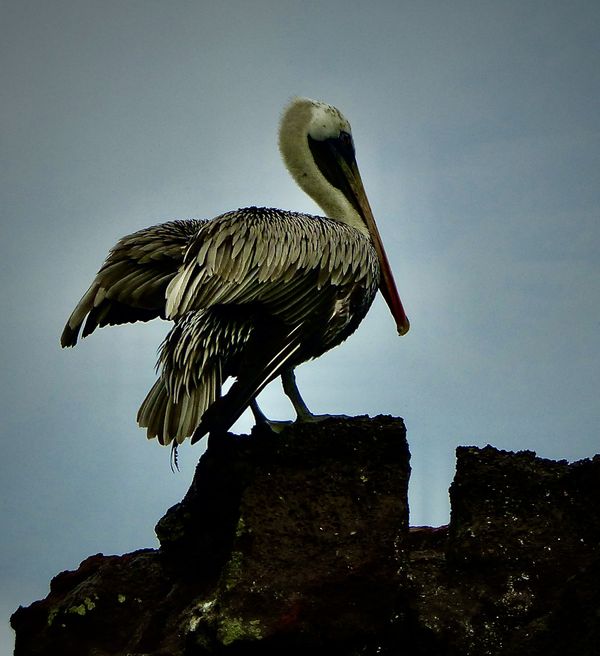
x=252, y=293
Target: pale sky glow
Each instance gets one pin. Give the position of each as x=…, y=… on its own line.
x=478, y=138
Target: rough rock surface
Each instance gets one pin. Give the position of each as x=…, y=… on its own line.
x=300, y=541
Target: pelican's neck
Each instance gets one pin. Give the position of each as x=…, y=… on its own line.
x=301, y=118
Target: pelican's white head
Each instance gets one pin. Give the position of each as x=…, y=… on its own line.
x=317, y=147
x=327, y=122
x=307, y=121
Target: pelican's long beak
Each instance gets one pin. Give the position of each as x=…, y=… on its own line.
x=335, y=158
x=387, y=284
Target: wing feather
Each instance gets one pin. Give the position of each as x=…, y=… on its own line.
x=260, y=256
x=132, y=283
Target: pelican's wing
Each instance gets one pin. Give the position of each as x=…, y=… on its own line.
x=131, y=284
x=278, y=260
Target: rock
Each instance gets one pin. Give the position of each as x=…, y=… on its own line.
x=533, y=526
x=282, y=540
x=300, y=541
x=524, y=534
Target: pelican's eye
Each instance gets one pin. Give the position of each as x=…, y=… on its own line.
x=346, y=139
x=346, y=145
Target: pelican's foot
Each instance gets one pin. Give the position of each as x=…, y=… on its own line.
x=310, y=418
x=262, y=420
x=276, y=425
x=303, y=416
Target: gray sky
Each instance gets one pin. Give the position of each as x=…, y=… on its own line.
x=477, y=134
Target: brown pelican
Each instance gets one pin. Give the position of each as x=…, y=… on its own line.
x=252, y=293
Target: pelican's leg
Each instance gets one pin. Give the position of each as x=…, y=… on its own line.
x=261, y=419
x=259, y=415
x=290, y=388
x=288, y=379
x=303, y=414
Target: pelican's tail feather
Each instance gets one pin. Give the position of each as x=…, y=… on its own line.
x=195, y=358
x=168, y=418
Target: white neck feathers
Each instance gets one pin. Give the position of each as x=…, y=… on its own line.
x=301, y=118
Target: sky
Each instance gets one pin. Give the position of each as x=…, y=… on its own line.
x=477, y=132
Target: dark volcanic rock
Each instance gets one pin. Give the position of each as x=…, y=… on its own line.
x=109, y=602
x=283, y=541
x=524, y=537
x=532, y=527
x=316, y=513
x=300, y=541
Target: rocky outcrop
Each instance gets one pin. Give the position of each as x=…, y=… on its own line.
x=519, y=573
x=300, y=541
